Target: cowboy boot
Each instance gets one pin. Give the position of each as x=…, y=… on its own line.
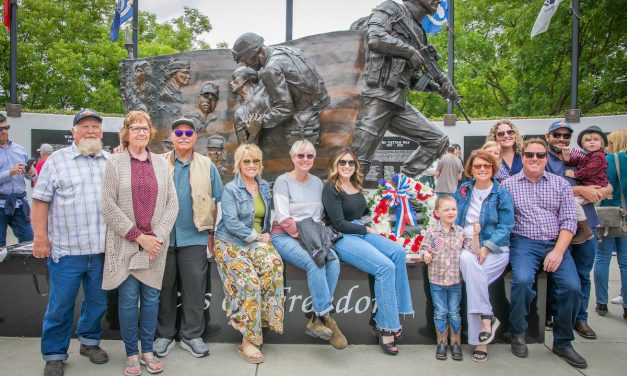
x=456, y=343
x=583, y=233
x=338, y=340
x=442, y=339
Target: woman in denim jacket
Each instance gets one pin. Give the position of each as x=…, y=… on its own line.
x=482, y=199
x=249, y=266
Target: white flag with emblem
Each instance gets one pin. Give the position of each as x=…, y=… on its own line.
x=544, y=18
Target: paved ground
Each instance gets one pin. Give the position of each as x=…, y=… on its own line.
x=607, y=356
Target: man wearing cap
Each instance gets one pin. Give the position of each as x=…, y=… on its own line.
x=297, y=91
x=558, y=138
x=70, y=231
x=199, y=189
x=44, y=152
x=14, y=208
x=215, y=151
x=207, y=101
x=177, y=72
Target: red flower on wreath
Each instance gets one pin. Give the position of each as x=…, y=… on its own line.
x=379, y=210
x=392, y=237
x=407, y=240
x=415, y=247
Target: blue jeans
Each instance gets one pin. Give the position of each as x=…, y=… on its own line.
x=19, y=223
x=132, y=293
x=66, y=277
x=446, y=302
x=321, y=280
x=583, y=255
x=385, y=260
x=526, y=257
x=602, y=262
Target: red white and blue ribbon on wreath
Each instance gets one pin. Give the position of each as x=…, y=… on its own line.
x=397, y=197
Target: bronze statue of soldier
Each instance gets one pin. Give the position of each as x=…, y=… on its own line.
x=207, y=101
x=253, y=103
x=215, y=151
x=395, y=61
x=297, y=91
x=178, y=75
x=145, y=90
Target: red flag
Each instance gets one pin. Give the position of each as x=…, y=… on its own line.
x=7, y=14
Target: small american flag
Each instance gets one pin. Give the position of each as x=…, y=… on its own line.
x=436, y=243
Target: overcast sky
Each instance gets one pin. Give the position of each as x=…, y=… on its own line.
x=231, y=18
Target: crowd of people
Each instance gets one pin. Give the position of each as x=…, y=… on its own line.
x=142, y=224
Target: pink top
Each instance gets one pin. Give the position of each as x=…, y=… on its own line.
x=144, y=189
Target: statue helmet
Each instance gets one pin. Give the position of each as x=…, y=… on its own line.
x=210, y=88
x=216, y=141
x=246, y=45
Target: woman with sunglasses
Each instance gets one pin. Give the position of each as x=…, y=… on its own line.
x=483, y=200
x=140, y=206
x=249, y=266
x=297, y=197
x=506, y=134
x=363, y=248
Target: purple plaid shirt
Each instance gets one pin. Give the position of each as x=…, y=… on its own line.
x=446, y=249
x=543, y=208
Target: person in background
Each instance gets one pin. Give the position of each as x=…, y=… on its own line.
x=494, y=149
x=506, y=134
x=44, y=152
x=448, y=172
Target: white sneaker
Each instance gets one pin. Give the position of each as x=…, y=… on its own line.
x=196, y=346
x=162, y=346
x=617, y=300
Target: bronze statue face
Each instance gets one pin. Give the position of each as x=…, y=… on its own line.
x=182, y=77
x=431, y=6
x=207, y=103
x=216, y=154
x=255, y=60
x=139, y=77
x=237, y=82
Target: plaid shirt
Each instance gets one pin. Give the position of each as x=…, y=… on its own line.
x=72, y=183
x=541, y=209
x=446, y=249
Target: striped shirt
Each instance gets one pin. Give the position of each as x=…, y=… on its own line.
x=72, y=183
x=446, y=248
x=541, y=209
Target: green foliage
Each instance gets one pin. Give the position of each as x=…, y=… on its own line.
x=66, y=60
x=501, y=71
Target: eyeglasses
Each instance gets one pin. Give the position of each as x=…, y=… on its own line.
x=179, y=132
x=343, y=163
x=303, y=156
x=503, y=133
x=247, y=162
x=138, y=130
x=479, y=166
x=537, y=154
x=5, y=128
x=565, y=136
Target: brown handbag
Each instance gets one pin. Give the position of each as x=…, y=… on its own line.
x=613, y=219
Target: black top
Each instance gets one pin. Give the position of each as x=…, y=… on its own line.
x=341, y=208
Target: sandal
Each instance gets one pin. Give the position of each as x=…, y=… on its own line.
x=398, y=334
x=153, y=364
x=248, y=355
x=132, y=368
x=479, y=356
x=389, y=348
x=487, y=337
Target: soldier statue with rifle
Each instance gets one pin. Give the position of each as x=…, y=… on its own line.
x=398, y=58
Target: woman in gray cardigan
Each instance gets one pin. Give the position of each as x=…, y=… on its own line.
x=139, y=204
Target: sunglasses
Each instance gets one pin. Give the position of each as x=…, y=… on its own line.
x=343, y=163
x=179, y=132
x=479, y=166
x=565, y=136
x=5, y=128
x=503, y=133
x=303, y=156
x=247, y=162
x=537, y=154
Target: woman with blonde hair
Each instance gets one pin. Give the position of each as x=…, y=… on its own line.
x=139, y=205
x=363, y=248
x=507, y=135
x=249, y=266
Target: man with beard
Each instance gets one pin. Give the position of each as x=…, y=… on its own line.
x=70, y=232
x=297, y=91
x=207, y=101
x=558, y=138
x=14, y=208
x=393, y=61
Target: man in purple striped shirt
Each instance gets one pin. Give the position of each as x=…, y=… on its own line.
x=545, y=222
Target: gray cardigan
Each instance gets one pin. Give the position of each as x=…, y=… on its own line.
x=117, y=209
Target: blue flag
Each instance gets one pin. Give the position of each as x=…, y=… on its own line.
x=433, y=24
x=123, y=11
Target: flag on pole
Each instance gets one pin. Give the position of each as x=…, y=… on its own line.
x=7, y=14
x=123, y=12
x=544, y=17
x=433, y=24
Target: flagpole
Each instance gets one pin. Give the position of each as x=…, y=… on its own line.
x=449, y=117
x=135, y=27
x=289, y=16
x=573, y=115
x=13, y=109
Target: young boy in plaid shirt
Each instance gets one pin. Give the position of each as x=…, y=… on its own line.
x=441, y=249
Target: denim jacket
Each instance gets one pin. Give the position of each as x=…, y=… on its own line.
x=496, y=217
x=236, y=225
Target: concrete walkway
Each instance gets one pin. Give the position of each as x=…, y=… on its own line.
x=607, y=356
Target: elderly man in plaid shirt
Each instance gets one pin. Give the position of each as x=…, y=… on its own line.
x=70, y=231
x=545, y=222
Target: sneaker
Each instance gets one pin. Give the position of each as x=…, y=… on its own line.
x=617, y=300
x=195, y=346
x=162, y=346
